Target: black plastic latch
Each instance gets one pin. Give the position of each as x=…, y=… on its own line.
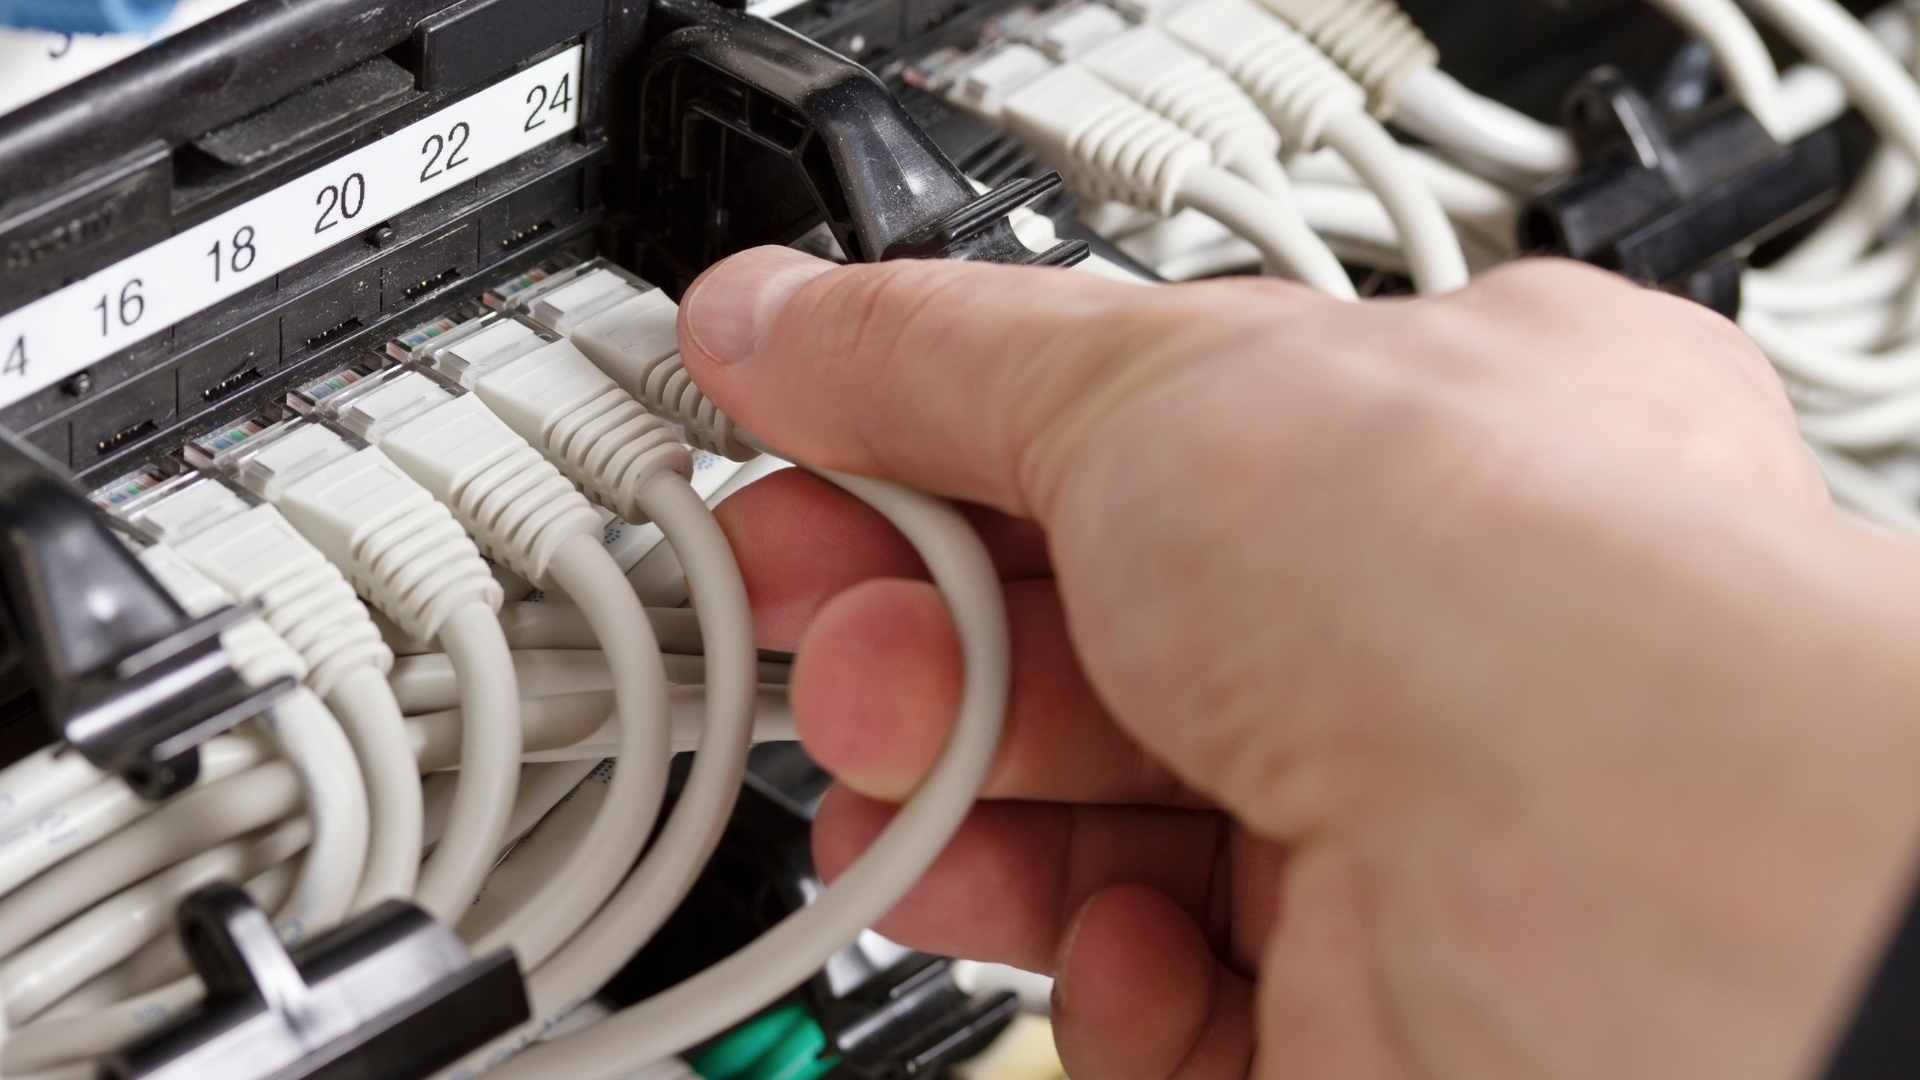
x=752, y=134
x=1676, y=203
x=913, y=1020
x=122, y=673
x=950, y=236
x=143, y=717
x=390, y=995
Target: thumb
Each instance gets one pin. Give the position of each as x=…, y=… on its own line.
x=975, y=381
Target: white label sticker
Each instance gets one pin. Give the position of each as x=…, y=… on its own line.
x=59, y=334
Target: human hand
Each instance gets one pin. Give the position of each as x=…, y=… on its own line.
x=1465, y=687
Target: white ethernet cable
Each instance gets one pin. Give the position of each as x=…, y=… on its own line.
x=253, y=552
x=799, y=945
x=1314, y=104
x=40, y=780
x=71, y=826
x=201, y=818
x=1876, y=82
x=1743, y=59
x=1376, y=44
x=43, y=973
x=668, y=871
x=307, y=735
x=624, y=334
x=406, y=554
x=162, y=960
x=1384, y=51
x=1108, y=146
x=532, y=520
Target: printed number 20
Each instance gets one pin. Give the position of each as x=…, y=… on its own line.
x=537, y=97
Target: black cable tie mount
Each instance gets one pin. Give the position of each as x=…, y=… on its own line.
x=123, y=675
x=389, y=995
x=752, y=134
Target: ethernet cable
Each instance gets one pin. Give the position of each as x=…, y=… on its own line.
x=43, y=778
x=667, y=873
x=1375, y=43
x=67, y=828
x=553, y=624
x=622, y=335
x=795, y=948
x=576, y=726
x=532, y=520
x=1165, y=76
x=1381, y=48
x=1313, y=104
x=1110, y=147
x=307, y=736
x=186, y=825
x=1875, y=80
x=161, y=960
x=253, y=552
x=40, y=975
x=406, y=554
x=1743, y=59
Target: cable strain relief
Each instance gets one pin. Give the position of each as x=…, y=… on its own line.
x=670, y=392
x=1374, y=40
x=520, y=510
x=420, y=567
x=317, y=611
x=1207, y=102
x=610, y=447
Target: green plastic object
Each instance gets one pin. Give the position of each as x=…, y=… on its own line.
x=783, y=1043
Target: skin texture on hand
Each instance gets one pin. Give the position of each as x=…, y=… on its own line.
x=1471, y=687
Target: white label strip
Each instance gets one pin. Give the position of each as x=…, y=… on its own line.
x=59, y=334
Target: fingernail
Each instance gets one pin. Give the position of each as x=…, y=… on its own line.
x=734, y=304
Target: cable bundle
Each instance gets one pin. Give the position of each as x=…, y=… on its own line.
x=390, y=486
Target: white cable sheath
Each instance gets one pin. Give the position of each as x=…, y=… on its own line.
x=310, y=738
x=1110, y=147
x=186, y=825
x=1744, y=61
x=489, y=763
x=366, y=708
x=1180, y=85
x=651, y=893
x=47, y=776
x=1426, y=236
x=68, y=828
x=1435, y=107
x=1313, y=103
x=793, y=950
x=596, y=867
x=1876, y=82
x=1372, y=40
x=39, y=975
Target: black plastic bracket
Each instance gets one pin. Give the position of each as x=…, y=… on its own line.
x=124, y=676
x=1677, y=205
x=910, y=1021
x=390, y=995
x=752, y=134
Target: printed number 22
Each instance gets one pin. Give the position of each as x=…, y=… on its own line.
x=537, y=97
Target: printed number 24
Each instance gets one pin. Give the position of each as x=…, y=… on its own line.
x=562, y=99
